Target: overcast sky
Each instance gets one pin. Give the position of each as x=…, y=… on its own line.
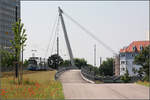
x=115, y=23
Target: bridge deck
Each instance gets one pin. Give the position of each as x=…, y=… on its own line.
x=75, y=87
x=72, y=76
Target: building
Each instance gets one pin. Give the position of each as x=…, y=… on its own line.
x=8, y=17
x=117, y=65
x=127, y=55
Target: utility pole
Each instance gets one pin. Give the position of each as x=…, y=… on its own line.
x=57, y=51
x=95, y=55
x=100, y=61
x=66, y=36
x=16, y=63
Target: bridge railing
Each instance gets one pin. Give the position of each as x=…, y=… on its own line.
x=62, y=70
x=89, y=74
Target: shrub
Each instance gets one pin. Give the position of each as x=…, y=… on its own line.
x=126, y=78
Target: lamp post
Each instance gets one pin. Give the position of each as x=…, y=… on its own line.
x=16, y=63
x=95, y=55
x=33, y=54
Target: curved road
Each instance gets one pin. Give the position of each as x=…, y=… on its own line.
x=75, y=87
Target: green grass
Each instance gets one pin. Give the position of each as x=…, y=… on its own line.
x=145, y=83
x=38, y=85
x=98, y=82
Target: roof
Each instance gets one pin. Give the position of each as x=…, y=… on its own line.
x=135, y=46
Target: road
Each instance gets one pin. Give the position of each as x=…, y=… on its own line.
x=75, y=87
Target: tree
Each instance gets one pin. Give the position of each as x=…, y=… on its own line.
x=18, y=43
x=143, y=59
x=96, y=71
x=79, y=62
x=7, y=59
x=106, y=67
x=66, y=63
x=54, y=61
x=26, y=63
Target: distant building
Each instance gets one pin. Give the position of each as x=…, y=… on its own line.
x=7, y=18
x=117, y=65
x=127, y=55
x=148, y=36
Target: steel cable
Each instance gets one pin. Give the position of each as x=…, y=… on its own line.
x=89, y=33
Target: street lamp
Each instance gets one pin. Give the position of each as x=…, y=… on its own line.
x=33, y=54
x=16, y=58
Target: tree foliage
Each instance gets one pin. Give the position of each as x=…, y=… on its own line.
x=7, y=59
x=66, y=63
x=19, y=38
x=79, y=62
x=126, y=78
x=96, y=71
x=26, y=63
x=106, y=67
x=17, y=45
x=143, y=59
x=54, y=61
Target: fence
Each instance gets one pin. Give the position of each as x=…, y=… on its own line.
x=89, y=74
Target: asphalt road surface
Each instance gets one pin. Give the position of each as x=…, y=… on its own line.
x=75, y=87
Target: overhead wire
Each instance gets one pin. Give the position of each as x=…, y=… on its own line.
x=52, y=33
x=56, y=34
x=89, y=33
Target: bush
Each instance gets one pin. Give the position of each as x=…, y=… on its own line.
x=146, y=78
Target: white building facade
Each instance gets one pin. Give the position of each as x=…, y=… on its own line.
x=127, y=57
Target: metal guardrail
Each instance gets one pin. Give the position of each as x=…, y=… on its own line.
x=87, y=74
x=62, y=70
x=106, y=79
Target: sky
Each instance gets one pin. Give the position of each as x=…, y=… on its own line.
x=116, y=23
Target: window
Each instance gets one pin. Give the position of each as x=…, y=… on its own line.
x=122, y=55
x=122, y=62
x=133, y=55
x=123, y=69
x=134, y=48
x=141, y=47
x=126, y=62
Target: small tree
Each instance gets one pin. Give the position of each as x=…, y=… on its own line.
x=18, y=43
x=106, y=67
x=80, y=62
x=26, y=63
x=126, y=78
x=7, y=59
x=143, y=59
